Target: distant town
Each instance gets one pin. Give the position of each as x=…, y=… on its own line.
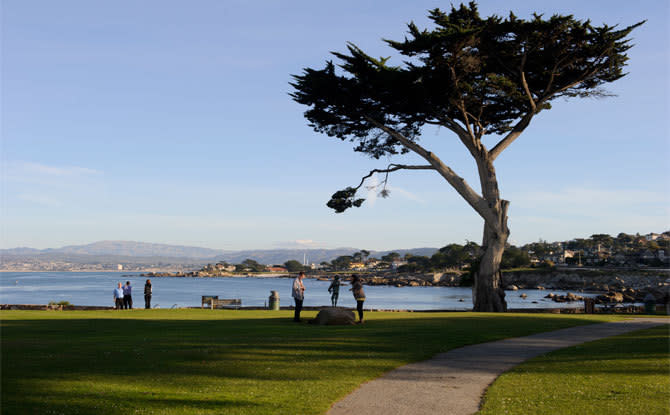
x=599, y=250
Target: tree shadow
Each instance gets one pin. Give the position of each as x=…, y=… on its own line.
x=202, y=352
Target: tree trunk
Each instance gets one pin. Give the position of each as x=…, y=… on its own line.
x=488, y=294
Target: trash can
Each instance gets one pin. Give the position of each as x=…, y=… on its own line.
x=589, y=305
x=274, y=300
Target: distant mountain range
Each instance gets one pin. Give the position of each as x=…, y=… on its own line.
x=137, y=252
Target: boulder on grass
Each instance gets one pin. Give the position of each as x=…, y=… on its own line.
x=332, y=316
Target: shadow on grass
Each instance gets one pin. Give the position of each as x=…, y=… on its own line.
x=270, y=357
x=67, y=402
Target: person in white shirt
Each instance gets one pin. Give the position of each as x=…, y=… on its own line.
x=298, y=294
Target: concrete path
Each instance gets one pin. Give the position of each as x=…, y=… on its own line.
x=454, y=382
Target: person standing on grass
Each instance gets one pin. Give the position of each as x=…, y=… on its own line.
x=127, y=296
x=298, y=294
x=359, y=295
x=147, y=295
x=118, y=297
x=334, y=290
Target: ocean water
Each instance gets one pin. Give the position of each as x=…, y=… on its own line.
x=96, y=288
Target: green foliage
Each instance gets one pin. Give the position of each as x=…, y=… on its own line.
x=250, y=264
x=344, y=199
x=342, y=262
x=455, y=255
x=391, y=256
x=488, y=74
x=416, y=263
x=539, y=249
x=293, y=266
x=514, y=257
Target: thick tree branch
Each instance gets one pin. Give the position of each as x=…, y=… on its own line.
x=531, y=101
x=509, y=138
x=524, y=83
x=459, y=184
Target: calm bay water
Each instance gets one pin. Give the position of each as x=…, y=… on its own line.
x=95, y=288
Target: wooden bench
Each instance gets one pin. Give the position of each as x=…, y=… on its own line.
x=213, y=301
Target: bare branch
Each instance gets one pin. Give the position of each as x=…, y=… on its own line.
x=391, y=168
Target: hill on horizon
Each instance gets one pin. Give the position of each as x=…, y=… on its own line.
x=155, y=250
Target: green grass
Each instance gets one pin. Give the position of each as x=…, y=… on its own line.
x=627, y=374
x=213, y=362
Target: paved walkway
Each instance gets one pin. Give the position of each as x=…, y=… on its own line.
x=454, y=382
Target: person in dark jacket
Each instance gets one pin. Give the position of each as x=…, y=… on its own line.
x=127, y=296
x=359, y=295
x=147, y=294
x=334, y=290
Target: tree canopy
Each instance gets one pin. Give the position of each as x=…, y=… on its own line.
x=477, y=77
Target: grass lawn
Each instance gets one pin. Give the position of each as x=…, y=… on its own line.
x=213, y=362
x=626, y=374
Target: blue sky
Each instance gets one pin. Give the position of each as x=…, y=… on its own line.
x=170, y=122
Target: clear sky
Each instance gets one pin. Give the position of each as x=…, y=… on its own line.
x=170, y=122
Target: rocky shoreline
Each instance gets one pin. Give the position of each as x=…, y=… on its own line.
x=615, y=286
x=618, y=287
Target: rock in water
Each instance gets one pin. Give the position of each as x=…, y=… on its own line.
x=332, y=316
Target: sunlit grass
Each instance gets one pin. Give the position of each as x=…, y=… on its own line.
x=212, y=362
x=627, y=374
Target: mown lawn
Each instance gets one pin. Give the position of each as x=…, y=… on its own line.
x=626, y=374
x=214, y=362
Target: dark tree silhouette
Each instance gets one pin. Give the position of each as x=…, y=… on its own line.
x=474, y=76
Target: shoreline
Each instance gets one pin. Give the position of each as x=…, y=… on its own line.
x=624, y=309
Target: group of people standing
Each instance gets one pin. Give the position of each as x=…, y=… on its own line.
x=123, y=296
x=298, y=294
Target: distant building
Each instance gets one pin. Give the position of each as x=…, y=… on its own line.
x=372, y=263
x=398, y=263
x=277, y=269
x=224, y=267
x=357, y=265
x=119, y=267
x=652, y=236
